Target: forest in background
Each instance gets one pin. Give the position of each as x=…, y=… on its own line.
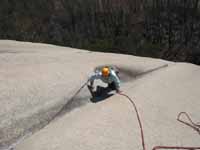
x=167, y=29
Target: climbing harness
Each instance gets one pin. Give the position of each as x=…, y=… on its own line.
x=193, y=125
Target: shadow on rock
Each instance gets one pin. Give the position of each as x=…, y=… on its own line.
x=127, y=74
x=102, y=93
x=81, y=99
x=84, y=97
x=13, y=52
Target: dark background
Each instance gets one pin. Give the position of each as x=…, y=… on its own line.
x=167, y=29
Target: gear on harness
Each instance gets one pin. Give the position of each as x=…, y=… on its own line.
x=100, y=94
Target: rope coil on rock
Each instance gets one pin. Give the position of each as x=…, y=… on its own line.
x=193, y=125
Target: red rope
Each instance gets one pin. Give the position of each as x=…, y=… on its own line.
x=193, y=125
x=138, y=117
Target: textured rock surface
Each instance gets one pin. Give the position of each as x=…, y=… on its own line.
x=112, y=124
x=37, y=80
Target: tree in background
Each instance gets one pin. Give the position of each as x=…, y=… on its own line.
x=175, y=25
x=168, y=29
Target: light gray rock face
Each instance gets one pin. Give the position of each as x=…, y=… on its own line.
x=38, y=80
x=112, y=124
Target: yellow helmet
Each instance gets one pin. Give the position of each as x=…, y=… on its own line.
x=105, y=71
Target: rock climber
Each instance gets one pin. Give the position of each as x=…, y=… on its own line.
x=107, y=75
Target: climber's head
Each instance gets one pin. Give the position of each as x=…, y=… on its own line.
x=105, y=71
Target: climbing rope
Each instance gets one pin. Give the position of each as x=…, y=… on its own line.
x=71, y=99
x=138, y=118
x=193, y=125
x=78, y=91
